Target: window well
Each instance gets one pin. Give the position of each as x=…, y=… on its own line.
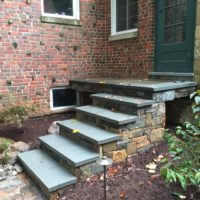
x=62, y=98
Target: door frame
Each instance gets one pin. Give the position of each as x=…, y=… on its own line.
x=157, y=28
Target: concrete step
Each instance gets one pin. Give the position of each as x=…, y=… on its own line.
x=123, y=100
x=116, y=118
x=89, y=132
x=46, y=172
x=69, y=151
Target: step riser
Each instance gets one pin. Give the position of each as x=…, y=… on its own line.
x=116, y=107
x=75, y=137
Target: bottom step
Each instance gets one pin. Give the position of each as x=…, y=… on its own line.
x=46, y=171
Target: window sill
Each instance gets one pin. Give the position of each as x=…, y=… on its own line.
x=59, y=20
x=123, y=36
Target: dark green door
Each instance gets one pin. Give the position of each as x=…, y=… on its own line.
x=175, y=24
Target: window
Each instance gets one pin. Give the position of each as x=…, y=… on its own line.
x=61, y=8
x=62, y=98
x=123, y=16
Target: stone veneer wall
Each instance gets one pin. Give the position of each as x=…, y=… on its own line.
x=197, y=44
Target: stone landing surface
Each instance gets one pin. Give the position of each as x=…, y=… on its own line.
x=140, y=84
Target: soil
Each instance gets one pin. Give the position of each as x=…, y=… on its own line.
x=128, y=181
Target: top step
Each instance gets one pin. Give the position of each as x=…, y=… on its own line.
x=107, y=115
x=129, y=101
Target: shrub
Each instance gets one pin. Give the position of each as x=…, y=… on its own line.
x=5, y=148
x=16, y=112
x=183, y=162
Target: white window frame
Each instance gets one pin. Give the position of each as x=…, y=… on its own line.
x=113, y=21
x=76, y=11
x=60, y=107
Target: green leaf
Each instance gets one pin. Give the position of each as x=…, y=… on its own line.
x=182, y=180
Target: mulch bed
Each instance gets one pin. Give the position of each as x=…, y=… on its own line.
x=128, y=181
x=32, y=128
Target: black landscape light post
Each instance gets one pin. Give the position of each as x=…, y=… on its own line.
x=104, y=162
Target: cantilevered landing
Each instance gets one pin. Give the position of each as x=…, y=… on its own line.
x=138, y=84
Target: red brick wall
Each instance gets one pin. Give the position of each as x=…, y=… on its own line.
x=133, y=57
x=28, y=71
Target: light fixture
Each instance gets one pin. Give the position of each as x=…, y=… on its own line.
x=104, y=162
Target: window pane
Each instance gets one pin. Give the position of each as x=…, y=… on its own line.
x=170, y=34
x=121, y=19
x=169, y=17
x=170, y=2
x=61, y=7
x=181, y=13
x=126, y=14
x=180, y=33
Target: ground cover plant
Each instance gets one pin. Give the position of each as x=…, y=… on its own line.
x=183, y=162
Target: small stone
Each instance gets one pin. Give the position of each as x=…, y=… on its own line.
x=18, y=168
x=1, y=170
x=20, y=146
x=14, y=173
x=152, y=171
x=54, y=128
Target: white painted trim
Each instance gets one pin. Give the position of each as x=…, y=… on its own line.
x=52, y=108
x=76, y=11
x=113, y=21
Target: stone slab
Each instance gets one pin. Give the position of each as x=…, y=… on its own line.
x=124, y=100
x=68, y=150
x=89, y=132
x=107, y=115
x=137, y=84
x=46, y=170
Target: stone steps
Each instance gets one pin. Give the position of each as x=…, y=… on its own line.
x=92, y=134
x=46, y=172
x=112, y=117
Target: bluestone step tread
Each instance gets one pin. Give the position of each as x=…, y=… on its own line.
x=107, y=115
x=131, y=101
x=69, y=150
x=46, y=170
x=89, y=132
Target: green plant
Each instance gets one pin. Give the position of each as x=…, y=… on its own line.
x=183, y=162
x=16, y=112
x=195, y=96
x=5, y=147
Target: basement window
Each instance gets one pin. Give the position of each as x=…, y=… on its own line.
x=67, y=9
x=62, y=98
